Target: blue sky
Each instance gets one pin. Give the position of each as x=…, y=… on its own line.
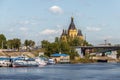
x=45, y=19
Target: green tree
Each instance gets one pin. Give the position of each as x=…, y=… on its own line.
x=44, y=43
x=73, y=53
x=26, y=43
x=64, y=47
x=77, y=42
x=16, y=43
x=10, y=44
x=2, y=41
x=29, y=43
x=85, y=43
x=57, y=39
x=67, y=49
x=52, y=48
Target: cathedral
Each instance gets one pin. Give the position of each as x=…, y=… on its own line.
x=72, y=32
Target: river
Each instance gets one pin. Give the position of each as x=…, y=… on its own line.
x=93, y=71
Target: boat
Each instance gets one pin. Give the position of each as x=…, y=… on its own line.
x=41, y=61
x=5, y=61
x=22, y=62
x=51, y=61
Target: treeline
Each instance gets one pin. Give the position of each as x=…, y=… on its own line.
x=14, y=43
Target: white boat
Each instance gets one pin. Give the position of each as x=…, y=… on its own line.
x=51, y=61
x=21, y=62
x=41, y=61
x=5, y=61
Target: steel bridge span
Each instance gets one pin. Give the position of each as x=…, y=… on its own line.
x=103, y=48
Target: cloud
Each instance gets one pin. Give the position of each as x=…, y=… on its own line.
x=56, y=10
x=59, y=26
x=30, y=21
x=23, y=28
x=48, y=32
x=95, y=29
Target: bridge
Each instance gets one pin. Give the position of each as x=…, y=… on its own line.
x=102, y=48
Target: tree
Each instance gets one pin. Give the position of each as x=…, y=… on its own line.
x=16, y=43
x=64, y=47
x=57, y=39
x=10, y=44
x=45, y=43
x=67, y=49
x=29, y=43
x=26, y=43
x=76, y=42
x=52, y=48
x=2, y=41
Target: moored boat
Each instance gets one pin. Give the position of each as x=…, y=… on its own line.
x=41, y=61
x=21, y=62
x=5, y=61
x=51, y=61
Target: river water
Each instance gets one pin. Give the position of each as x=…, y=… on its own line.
x=94, y=71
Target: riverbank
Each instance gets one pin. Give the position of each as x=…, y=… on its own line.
x=83, y=60
x=86, y=60
x=15, y=53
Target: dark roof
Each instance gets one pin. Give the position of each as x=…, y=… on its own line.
x=79, y=33
x=58, y=54
x=64, y=32
x=72, y=25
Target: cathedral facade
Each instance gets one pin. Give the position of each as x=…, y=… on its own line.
x=72, y=32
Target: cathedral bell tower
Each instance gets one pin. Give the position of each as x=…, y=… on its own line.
x=72, y=31
x=64, y=35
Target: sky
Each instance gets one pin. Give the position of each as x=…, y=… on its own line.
x=41, y=20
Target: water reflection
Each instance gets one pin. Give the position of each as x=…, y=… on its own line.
x=96, y=71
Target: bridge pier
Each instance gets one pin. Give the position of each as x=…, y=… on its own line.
x=79, y=51
x=83, y=51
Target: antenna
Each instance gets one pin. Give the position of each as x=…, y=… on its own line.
x=84, y=43
x=72, y=15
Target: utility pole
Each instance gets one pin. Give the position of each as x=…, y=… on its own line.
x=105, y=42
x=84, y=44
